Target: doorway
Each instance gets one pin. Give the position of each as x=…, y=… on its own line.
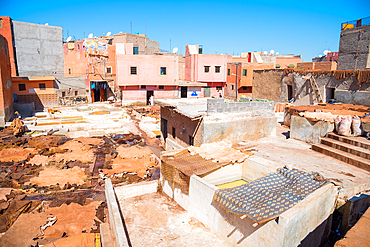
x=290, y=92
x=207, y=91
x=329, y=93
x=164, y=128
x=184, y=92
x=100, y=91
x=149, y=94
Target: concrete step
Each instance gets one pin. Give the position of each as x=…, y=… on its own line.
x=355, y=141
x=106, y=236
x=355, y=150
x=342, y=156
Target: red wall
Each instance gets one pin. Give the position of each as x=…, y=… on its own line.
x=6, y=96
x=6, y=31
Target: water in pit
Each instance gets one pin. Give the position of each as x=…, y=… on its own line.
x=232, y=184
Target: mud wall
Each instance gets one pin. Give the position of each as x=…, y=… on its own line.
x=273, y=85
x=268, y=84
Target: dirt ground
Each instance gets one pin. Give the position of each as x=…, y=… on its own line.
x=52, y=186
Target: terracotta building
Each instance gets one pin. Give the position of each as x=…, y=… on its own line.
x=95, y=59
x=6, y=97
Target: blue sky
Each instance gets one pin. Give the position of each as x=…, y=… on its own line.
x=228, y=27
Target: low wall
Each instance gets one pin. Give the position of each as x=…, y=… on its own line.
x=311, y=132
x=353, y=97
x=219, y=105
x=133, y=190
x=247, y=128
x=26, y=109
x=114, y=216
x=289, y=229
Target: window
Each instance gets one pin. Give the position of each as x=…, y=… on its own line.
x=247, y=89
x=133, y=70
x=244, y=72
x=217, y=69
x=1, y=22
x=22, y=87
x=191, y=140
x=218, y=88
x=78, y=47
x=109, y=70
x=206, y=69
x=76, y=93
x=232, y=87
x=173, y=132
x=69, y=71
x=63, y=94
x=136, y=50
x=163, y=70
x=161, y=87
x=143, y=86
x=42, y=86
x=228, y=71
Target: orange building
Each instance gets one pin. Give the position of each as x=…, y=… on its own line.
x=240, y=75
x=39, y=90
x=283, y=61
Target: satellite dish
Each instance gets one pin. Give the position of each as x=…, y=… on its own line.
x=46, y=24
x=272, y=52
x=108, y=34
x=265, y=52
x=326, y=52
x=320, y=55
x=91, y=35
x=174, y=50
x=68, y=39
x=277, y=53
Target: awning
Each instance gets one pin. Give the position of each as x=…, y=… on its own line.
x=183, y=83
x=268, y=197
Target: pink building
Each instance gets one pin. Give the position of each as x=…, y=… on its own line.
x=209, y=69
x=142, y=76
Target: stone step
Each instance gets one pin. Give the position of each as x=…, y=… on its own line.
x=342, y=156
x=355, y=141
x=355, y=150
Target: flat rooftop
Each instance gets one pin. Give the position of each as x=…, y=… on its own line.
x=188, y=107
x=156, y=220
x=279, y=152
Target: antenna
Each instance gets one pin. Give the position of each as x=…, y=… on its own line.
x=90, y=35
x=108, y=33
x=68, y=39
x=175, y=50
x=131, y=27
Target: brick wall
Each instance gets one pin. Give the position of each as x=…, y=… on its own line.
x=40, y=100
x=219, y=105
x=354, y=41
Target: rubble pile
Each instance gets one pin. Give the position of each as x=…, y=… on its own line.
x=52, y=188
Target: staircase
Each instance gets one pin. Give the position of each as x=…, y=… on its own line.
x=315, y=89
x=352, y=150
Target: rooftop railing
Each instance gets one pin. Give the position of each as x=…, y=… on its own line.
x=356, y=23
